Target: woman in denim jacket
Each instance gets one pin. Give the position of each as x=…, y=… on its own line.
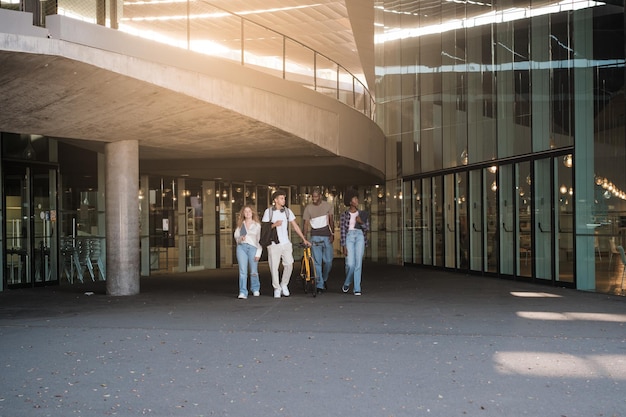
x=354, y=224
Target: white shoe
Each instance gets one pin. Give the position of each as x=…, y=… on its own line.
x=242, y=296
x=256, y=293
x=285, y=291
x=277, y=293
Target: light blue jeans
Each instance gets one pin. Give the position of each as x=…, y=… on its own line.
x=323, y=255
x=355, y=245
x=245, y=259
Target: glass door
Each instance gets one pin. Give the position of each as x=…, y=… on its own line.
x=525, y=249
x=462, y=232
x=543, y=191
x=409, y=227
x=427, y=221
x=476, y=191
x=17, y=226
x=449, y=214
x=418, y=222
x=564, y=221
x=506, y=223
x=437, y=209
x=490, y=196
x=31, y=249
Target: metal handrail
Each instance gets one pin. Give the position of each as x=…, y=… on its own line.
x=369, y=112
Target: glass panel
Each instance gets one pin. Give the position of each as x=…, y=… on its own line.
x=449, y=90
x=522, y=102
x=346, y=87
x=476, y=192
x=427, y=203
x=542, y=203
x=409, y=226
x=194, y=223
x=524, y=222
x=507, y=220
x=325, y=76
x=490, y=238
x=263, y=200
x=362, y=98
x=609, y=150
x=215, y=33
x=480, y=96
x=17, y=226
x=449, y=214
x=462, y=225
x=299, y=63
x=226, y=219
x=430, y=97
x=44, y=219
x=439, y=227
x=410, y=138
x=562, y=82
x=505, y=88
x=418, y=222
x=263, y=49
x=173, y=31
x=565, y=220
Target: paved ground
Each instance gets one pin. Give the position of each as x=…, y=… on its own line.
x=417, y=343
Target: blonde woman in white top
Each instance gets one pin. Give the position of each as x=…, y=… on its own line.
x=249, y=251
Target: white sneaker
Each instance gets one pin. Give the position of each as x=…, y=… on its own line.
x=256, y=293
x=277, y=293
x=285, y=291
x=242, y=296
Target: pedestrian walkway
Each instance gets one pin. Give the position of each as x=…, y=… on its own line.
x=417, y=343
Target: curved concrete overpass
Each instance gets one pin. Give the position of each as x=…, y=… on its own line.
x=191, y=114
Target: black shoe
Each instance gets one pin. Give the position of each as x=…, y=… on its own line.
x=345, y=288
x=320, y=290
x=325, y=286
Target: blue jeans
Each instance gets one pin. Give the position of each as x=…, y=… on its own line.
x=245, y=258
x=323, y=255
x=355, y=245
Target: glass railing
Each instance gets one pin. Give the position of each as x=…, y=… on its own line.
x=202, y=27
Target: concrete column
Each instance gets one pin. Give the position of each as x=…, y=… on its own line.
x=122, y=217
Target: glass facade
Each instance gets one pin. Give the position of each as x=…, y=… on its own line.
x=509, y=131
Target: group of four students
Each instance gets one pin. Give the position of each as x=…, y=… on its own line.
x=319, y=223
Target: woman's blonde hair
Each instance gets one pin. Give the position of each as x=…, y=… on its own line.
x=255, y=215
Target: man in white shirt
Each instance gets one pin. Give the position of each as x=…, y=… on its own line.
x=318, y=221
x=281, y=217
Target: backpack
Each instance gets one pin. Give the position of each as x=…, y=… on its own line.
x=269, y=234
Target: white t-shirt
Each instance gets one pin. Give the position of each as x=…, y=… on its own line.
x=353, y=216
x=282, y=230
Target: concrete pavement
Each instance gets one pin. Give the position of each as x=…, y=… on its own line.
x=417, y=343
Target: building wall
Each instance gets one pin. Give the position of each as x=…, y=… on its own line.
x=507, y=125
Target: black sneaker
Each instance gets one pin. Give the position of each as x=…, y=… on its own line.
x=345, y=288
x=325, y=286
x=320, y=290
